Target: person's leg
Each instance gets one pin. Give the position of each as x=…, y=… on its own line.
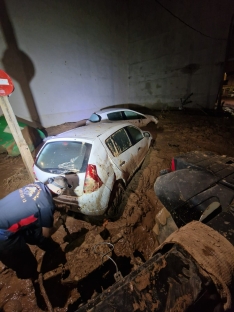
x=15, y=254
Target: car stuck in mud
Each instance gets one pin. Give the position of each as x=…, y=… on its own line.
x=182, y=273
x=135, y=235
x=198, y=186
x=122, y=115
x=98, y=160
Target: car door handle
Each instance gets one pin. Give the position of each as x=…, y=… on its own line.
x=139, y=148
x=122, y=163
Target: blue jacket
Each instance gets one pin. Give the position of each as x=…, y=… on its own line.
x=31, y=206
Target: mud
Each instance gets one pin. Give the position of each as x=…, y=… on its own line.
x=134, y=236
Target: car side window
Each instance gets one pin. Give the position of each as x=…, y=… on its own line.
x=132, y=115
x=118, y=142
x=115, y=116
x=134, y=134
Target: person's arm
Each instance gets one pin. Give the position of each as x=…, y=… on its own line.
x=47, y=232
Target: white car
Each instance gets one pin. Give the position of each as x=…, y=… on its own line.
x=98, y=162
x=122, y=114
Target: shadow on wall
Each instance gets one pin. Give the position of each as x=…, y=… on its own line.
x=17, y=64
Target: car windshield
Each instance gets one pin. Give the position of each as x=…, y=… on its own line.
x=64, y=156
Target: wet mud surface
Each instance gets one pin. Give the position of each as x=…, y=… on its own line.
x=129, y=241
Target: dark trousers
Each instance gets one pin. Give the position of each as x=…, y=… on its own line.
x=15, y=253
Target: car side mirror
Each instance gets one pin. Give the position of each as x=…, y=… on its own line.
x=95, y=118
x=147, y=134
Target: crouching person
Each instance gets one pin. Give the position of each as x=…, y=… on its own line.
x=26, y=217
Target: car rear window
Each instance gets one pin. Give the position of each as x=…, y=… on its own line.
x=64, y=156
x=118, y=142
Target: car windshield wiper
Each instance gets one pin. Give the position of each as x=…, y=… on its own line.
x=69, y=165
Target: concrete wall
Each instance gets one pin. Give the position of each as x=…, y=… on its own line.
x=168, y=59
x=66, y=58
x=70, y=58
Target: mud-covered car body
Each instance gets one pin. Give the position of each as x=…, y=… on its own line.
x=197, y=186
x=97, y=161
x=121, y=115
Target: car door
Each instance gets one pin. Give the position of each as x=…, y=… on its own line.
x=115, y=116
x=122, y=152
x=135, y=118
x=140, y=144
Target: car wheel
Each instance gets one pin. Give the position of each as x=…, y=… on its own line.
x=152, y=143
x=115, y=208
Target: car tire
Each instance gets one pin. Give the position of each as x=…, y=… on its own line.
x=152, y=143
x=116, y=208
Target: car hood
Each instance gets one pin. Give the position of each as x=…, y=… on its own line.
x=173, y=189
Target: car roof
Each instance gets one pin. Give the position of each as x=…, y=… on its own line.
x=89, y=132
x=115, y=109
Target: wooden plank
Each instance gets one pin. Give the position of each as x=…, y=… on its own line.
x=17, y=134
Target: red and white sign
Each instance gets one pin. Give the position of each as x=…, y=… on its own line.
x=6, y=84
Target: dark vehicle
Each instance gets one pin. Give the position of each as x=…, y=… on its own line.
x=198, y=186
x=191, y=271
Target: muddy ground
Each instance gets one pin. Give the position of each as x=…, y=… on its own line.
x=133, y=237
